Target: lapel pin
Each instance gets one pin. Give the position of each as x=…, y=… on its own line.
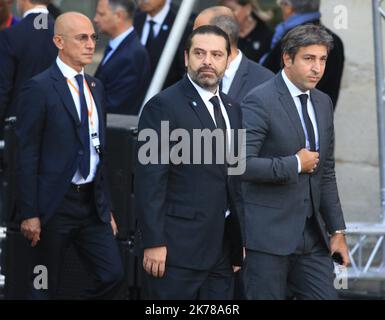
x=194, y=104
x=165, y=27
x=93, y=84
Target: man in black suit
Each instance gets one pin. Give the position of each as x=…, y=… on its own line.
x=25, y=50
x=293, y=220
x=243, y=74
x=188, y=212
x=62, y=187
x=300, y=12
x=125, y=67
x=153, y=23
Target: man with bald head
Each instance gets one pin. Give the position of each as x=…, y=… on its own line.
x=62, y=188
x=243, y=74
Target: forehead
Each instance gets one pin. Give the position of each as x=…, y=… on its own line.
x=78, y=26
x=208, y=42
x=315, y=50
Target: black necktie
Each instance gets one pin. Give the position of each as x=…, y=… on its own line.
x=84, y=161
x=106, y=52
x=151, y=34
x=308, y=124
x=219, y=120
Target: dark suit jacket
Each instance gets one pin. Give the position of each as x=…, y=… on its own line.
x=248, y=76
x=276, y=196
x=49, y=145
x=24, y=52
x=331, y=80
x=125, y=76
x=183, y=206
x=177, y=68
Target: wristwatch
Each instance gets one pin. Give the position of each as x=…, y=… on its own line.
x=339, y=232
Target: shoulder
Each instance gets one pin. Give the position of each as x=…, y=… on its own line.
x=259, y=71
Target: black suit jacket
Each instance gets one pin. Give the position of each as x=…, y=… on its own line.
x=276, y=196
x=125, y=76
x=177, y=68
x=24, y=52
x=248, y=76
x=49, y=145
x=183, y=206
x=331, y=80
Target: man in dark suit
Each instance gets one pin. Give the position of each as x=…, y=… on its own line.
x=25, y=50
x=62, y=187
x=299, y=12
x=125, y=67
x=189, y=232
x=153, y=23
x=242, y=74
x=293, y=218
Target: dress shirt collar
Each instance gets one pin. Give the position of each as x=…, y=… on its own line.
x=233, y=66
x=38, y=9
x=206, y=95
x=161, y=15
x=114, y=43
x=66, y=70
x=294, y=90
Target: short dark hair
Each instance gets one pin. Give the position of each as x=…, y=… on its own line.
x=208, y=29
x=129, y=6
x=45, y=2
x=304, y=36
x=228, y=24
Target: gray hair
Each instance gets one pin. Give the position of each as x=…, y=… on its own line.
x=301, y=6
x=128, y=6
x=228, y=24
x=304, y=36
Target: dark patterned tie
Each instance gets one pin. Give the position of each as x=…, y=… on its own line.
x=308, y=124
x=106, y=52
x=84, y=161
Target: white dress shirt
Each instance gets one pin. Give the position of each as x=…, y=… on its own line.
x=206, y=96
x=158, y=21
x=70, y=74
x=115, y=43
x=230, y=73
x=38, y=9
x=295, y=92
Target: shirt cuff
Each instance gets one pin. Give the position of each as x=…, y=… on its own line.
x=299, y=164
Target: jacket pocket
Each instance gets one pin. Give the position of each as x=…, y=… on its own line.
x=178, y=211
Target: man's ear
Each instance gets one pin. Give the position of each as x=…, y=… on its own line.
x=58, y=41
x=287, y=61
x=185, y=58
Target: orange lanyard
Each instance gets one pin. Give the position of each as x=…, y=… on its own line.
x=90, y=112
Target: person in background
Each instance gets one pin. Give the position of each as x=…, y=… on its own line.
x=53, y=10
x=255, y=35
x=7, y=19
x=125, y=67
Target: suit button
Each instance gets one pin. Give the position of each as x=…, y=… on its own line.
x=80, y=152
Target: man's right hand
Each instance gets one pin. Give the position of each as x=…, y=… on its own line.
x=31, y=229
x=154, y=261
x=309, y=160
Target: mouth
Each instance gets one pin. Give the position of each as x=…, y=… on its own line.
x=314, y=79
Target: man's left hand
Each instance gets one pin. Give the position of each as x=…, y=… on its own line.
x=114, y=225
x=338, y=245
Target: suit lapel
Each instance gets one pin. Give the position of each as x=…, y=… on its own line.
x=288, y=104
x=321, y=122
x=239, y=79
x=164, y=31
x=197, y=104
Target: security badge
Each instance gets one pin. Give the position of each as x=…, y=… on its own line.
x=96, y=142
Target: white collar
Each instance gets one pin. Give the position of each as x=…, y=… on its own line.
x=161, y=15
x=114, y=43
x=67, y=71
x=38, y=9
x=234, y=65
x=206, y=95
x=294, y=90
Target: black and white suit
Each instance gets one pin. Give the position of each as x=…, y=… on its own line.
x=278, y=199
x=49, y=151
x=183, y=206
